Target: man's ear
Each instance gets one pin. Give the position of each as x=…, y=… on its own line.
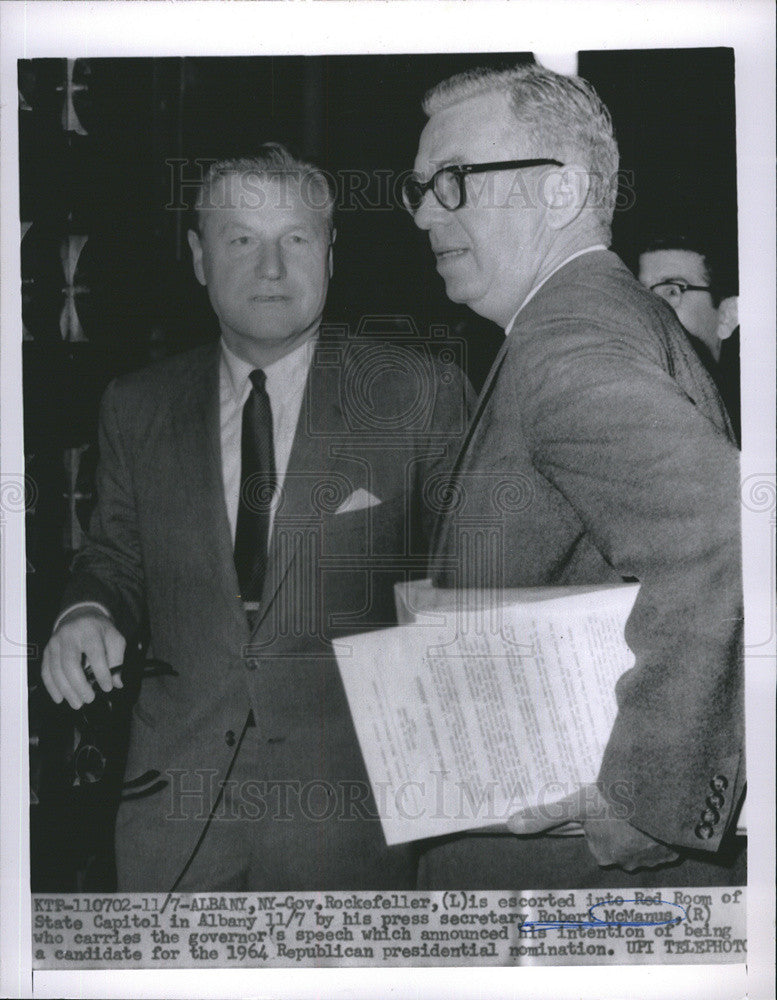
x=332, y=239
x=196, y=245
x=728, y=317
x=565, y=192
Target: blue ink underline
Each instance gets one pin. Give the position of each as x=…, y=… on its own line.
x=596, y=922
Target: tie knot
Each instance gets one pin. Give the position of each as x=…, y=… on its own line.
x=258, y=379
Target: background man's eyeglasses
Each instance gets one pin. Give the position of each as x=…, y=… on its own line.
x=673, y=291
x=447, y=184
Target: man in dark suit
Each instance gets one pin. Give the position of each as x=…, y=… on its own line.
x=629, y=470
x=256, y=498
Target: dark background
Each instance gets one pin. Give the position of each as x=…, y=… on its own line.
x=97, y=140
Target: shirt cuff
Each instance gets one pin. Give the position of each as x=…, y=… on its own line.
x=81, y=604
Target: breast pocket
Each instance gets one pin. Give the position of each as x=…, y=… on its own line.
x=363, y=554
x=370, y=531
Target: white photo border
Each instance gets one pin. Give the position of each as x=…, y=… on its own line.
x=101, y=29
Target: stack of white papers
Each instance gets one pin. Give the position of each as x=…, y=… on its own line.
x=484, y=703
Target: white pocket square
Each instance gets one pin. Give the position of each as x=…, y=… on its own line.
x=358, y=500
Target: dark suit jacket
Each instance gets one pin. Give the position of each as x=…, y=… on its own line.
x=159, y=555
x=600, y=451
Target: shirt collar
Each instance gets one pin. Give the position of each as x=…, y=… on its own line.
x=538, y=286
x=292, y=367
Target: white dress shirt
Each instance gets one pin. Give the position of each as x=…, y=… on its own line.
x=285, y=383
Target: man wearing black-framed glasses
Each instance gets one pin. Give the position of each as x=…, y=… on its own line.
x=598, y=406
x=679, y=270
x=694, y=275
x=448, y=183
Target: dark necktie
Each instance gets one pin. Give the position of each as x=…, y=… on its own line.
x=257, y=485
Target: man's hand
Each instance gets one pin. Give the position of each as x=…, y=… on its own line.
x=85, y=635
x=611, y=840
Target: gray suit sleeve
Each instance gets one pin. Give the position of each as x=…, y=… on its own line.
x=655, y=484
x=108, y=568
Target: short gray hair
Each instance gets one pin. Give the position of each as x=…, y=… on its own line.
x=562, y=117
x=271, y=160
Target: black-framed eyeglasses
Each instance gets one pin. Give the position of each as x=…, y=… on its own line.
x=673, y=291
x=447, y=183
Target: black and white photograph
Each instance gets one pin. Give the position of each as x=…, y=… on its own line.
x=388, y=505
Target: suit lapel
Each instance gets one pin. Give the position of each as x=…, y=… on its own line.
x=443, y=524
x=196, y=426
x=314, y=472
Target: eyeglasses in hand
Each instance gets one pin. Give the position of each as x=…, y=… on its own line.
x=97, y=721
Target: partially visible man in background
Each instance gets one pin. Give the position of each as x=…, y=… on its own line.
x=701, y=289
x=629, y=469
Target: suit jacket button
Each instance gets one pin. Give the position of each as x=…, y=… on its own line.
x=710, y=816
x=229, y=738
x=252, y=664
x=719, y=783
x=703, y=831
x=715, y=800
